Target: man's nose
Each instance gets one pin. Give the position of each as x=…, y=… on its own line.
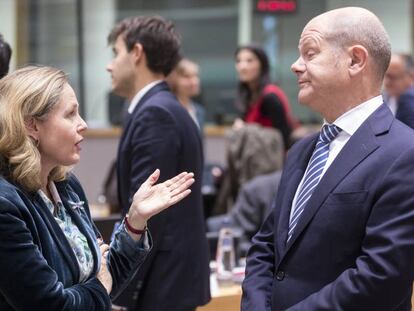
x=297, y=66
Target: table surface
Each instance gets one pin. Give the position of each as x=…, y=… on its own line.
x=227, y=299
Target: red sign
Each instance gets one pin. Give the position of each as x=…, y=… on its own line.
x=276, y=6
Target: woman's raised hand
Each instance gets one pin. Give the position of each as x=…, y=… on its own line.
x=151, y=198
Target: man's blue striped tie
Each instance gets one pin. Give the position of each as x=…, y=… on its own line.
x=313, y=173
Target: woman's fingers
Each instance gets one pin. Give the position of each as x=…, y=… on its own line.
x=179, y=178
x=181, y=187
x=152, y=179
x=104, y=248
x=153, y=198
x=179, y=197
x=180, y=182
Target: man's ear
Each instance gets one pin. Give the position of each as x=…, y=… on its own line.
x=358, y=59
x=32, y=128
x=137, y=52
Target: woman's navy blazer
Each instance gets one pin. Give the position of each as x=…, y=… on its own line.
x=38, y=268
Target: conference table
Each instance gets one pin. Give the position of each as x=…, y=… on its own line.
x=226, y=299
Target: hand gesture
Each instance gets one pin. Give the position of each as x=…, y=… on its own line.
x=104, y=276
x=238, y=124
x=150, y=199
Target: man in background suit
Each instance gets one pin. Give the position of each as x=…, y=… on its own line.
x=399, y=87
x=341, y=234
x=159, y=133
x=5, y=55
x=252, y=206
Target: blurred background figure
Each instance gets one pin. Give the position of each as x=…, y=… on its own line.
x=5, y=55
x=252, y=206
x=184, y=82
x=259, y=100
x=399, y=88
x=257, y=143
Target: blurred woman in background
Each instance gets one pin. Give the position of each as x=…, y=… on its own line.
x=184, y=82
x=259, y=100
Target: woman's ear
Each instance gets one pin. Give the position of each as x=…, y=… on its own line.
x=32, y=128
x=358, y=59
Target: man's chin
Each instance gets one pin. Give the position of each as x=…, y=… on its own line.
x=115, y=90
x=303, y=99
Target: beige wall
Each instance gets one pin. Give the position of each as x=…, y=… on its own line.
x=96, y=156
x=99, y=152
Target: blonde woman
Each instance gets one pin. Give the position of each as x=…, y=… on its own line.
x=184, y=82
x=51, y=256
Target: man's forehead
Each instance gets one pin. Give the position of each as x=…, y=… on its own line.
x=310, y=34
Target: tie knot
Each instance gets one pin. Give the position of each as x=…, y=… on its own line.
x=329, y=132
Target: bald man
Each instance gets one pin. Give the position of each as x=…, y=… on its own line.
x=341, y=232
x=399, y=87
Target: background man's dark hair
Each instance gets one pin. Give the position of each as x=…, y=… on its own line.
x=5, y=55
x=160, y=41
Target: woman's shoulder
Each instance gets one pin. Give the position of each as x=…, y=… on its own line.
x=7, y=187
x=12, y=193
x=72, y=183
x=271, y=98
x=273, y=89
x=273, y=94
x=72, y=180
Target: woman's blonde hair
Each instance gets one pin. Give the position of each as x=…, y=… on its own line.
x=27, y=94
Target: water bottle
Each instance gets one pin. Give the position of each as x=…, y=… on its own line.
x=226, y=259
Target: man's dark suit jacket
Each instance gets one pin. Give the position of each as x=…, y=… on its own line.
x=161, y=134
x=405, y=107
x=353, y=247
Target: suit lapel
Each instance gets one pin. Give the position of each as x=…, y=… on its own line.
x=128, y=127
x=58, y=236
x=129, y=119
x=294, y=175
x=76, y=218
x=162, y=86
x=358, y=148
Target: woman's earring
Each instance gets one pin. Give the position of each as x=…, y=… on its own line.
x=35, y=142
